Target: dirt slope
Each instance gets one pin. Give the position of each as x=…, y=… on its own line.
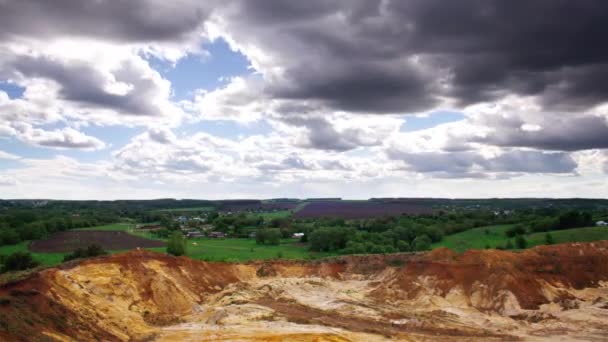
x=539, y=294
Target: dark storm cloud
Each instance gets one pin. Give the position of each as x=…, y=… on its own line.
x=475, y=165
x=557, y=132
x=387, y=56
x=120, y=20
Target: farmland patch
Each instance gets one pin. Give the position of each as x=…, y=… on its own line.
x=110, y=240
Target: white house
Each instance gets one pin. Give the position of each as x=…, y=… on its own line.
x=601, y=223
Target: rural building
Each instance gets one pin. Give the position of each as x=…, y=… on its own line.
x=192, y=235
x=297, y=235
x=601, y=223
x=216, y=235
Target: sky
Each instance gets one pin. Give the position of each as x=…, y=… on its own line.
x=140, y=99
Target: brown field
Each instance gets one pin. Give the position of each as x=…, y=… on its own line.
x=111, y=240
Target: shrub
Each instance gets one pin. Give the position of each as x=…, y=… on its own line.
x=515, y=230
x=92, y=251
x=509, y=245
x=176, y=244
x=422, y=243
x=521, y=242
x=19, y=261
x=270, y=236
x=549, y=239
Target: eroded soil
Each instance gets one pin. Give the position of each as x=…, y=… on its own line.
x=547, y=293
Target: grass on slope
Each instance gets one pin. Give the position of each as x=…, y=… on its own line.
x=494, y=236
x=45, y=259
x=570, y=235
x=246, y=250
x=110, y=227
x=274, y=214
x=476, y=238
x=187, y=209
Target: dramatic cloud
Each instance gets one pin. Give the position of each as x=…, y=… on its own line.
x=563, y=133
x=122, y=20
x=403, y=56
x=322, y=104
x=473, y=164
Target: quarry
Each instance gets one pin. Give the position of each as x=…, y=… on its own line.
x=547, y=293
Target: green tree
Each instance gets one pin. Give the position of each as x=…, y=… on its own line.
x=19, y=261
x=422, y=243
x=549, y=239
x=521, y=242
x=176, y=244
x=509, y=245
x=269, y=236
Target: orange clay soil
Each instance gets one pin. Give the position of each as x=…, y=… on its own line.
x=539, y=294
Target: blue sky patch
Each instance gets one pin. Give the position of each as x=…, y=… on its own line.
x=417, y=123
x=14, y=91
x=203, y=72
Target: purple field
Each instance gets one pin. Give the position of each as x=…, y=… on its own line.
x=361, y=209
x=68, y=241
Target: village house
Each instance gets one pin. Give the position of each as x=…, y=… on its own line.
x=601, y=223
x=216, y=235
x=194, y=234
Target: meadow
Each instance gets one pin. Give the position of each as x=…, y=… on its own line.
x=494, y=236
x=187, y=209
x=247, y=249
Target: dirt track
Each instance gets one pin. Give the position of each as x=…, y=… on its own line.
x=476, y=296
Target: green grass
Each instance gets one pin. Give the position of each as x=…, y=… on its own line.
x=570, y=235
x=110, y=227
x=188, y=209
x=45, y=259
x=274, y=214
x=477, y=238
x=125, y=227
x=246, y=250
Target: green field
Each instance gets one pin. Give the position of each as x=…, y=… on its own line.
x=246, y=249
x=45, y=259
x=201, y=249
x=475, y=238
x=570, y=235
x=493, y=236
x=113, y=226
x=188, y=209
x=274, y=214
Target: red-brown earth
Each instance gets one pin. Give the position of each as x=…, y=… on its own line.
x=544, y=293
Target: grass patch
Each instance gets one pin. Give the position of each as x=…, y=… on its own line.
x=493, y=236
x=570, y=235
x=45, y=259
x=476, y=238
x=188, y=209
x=274, y=214
x=246, y=250
x=110, y=227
